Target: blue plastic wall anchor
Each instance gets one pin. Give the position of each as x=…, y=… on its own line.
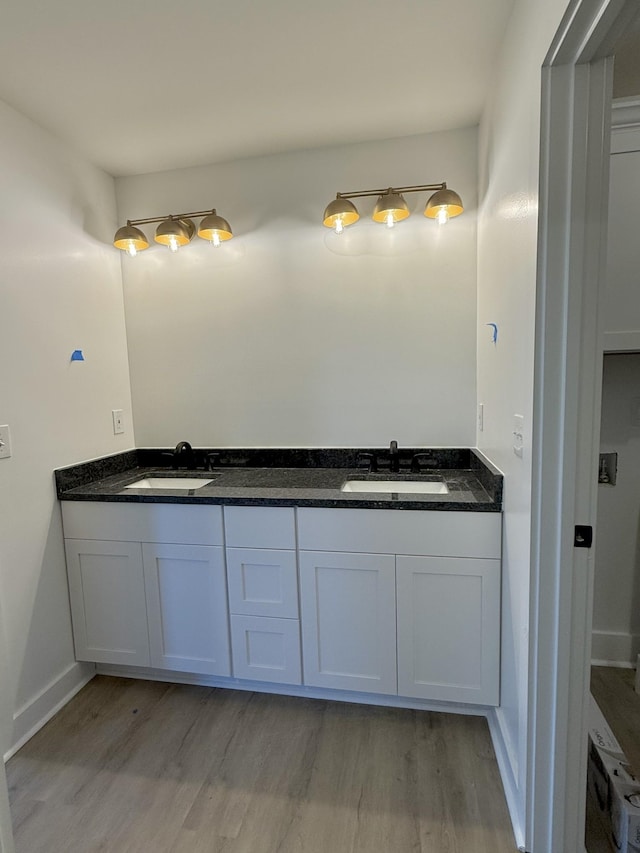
x=76, y=355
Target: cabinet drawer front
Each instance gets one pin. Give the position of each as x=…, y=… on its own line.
x=106, y=589
x=449, y=629
x=266, y=649
x=260, y=527
x=388, y=531
x=187, y=608
x=349, y=621
x=262, y=582
x=130, y=522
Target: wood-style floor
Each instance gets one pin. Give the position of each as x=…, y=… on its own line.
x=613, y=690
x=147, y=767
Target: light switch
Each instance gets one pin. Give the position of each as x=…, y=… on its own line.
x=118, y=421
x=5, y=442
x=518, y=435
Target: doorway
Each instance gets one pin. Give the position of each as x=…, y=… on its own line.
x=616, y=614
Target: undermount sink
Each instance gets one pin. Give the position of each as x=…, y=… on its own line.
x=170, y=483
x=399, y=486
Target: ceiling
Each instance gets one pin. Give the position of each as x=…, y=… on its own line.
x=143, y=87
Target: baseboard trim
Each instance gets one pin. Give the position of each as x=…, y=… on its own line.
x=614, y=663
x=506, y=774
x=32, y=716
x=614, y=647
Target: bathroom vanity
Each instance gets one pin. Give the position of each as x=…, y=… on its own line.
x=272, y=577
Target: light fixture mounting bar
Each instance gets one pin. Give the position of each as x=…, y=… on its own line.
x=169, y=216
x=411, y=189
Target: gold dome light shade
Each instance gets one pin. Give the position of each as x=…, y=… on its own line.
x=390, y=208
x=339, y=213
x=215, y=229
x=130, y=239
x=175, y=233
x=444, y=205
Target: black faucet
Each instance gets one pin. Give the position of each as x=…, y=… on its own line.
x=184, y=455
x=394, y=458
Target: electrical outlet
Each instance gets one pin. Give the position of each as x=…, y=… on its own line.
x=480, y=417
x=118, y=421
x=5, y=442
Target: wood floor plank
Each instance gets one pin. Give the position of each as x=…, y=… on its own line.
x=145, y=767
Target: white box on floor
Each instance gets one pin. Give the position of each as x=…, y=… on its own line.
x=612, y=783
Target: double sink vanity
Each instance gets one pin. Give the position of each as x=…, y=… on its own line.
x=336, y=573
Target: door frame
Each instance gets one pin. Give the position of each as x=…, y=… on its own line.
x=572, y=236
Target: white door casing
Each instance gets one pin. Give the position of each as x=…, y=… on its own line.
x=576, y=107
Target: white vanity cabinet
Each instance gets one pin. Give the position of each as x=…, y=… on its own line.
x=399, y=603
x=147, y=585
x=430, y=594
x=262, y=576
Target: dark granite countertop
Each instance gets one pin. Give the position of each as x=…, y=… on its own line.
x=287, y=478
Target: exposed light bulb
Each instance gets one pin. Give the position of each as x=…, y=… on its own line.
x=131, y=249
x=215, y=239
x=390, y=221
x=173, y=243
x=443, y=215
x=338, y=225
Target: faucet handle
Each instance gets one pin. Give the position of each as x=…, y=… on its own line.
x=368, y=461
x=211, y=460
x=418, y=457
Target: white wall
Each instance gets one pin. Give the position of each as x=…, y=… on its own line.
x=507, y=234
x=289, y=335
x=60, y=290
x=616, y=613
x=621, y=305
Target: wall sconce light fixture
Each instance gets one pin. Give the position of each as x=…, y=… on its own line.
x=173, y=231
x=391, y=207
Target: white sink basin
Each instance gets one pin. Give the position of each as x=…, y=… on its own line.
x=169, y=483
x=401, y=486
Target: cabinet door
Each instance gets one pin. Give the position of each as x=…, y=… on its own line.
x=262, y=582
x=106, y=589
x=266, y=649
x=187, y=608
x=349, y=620
x=449, y=629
